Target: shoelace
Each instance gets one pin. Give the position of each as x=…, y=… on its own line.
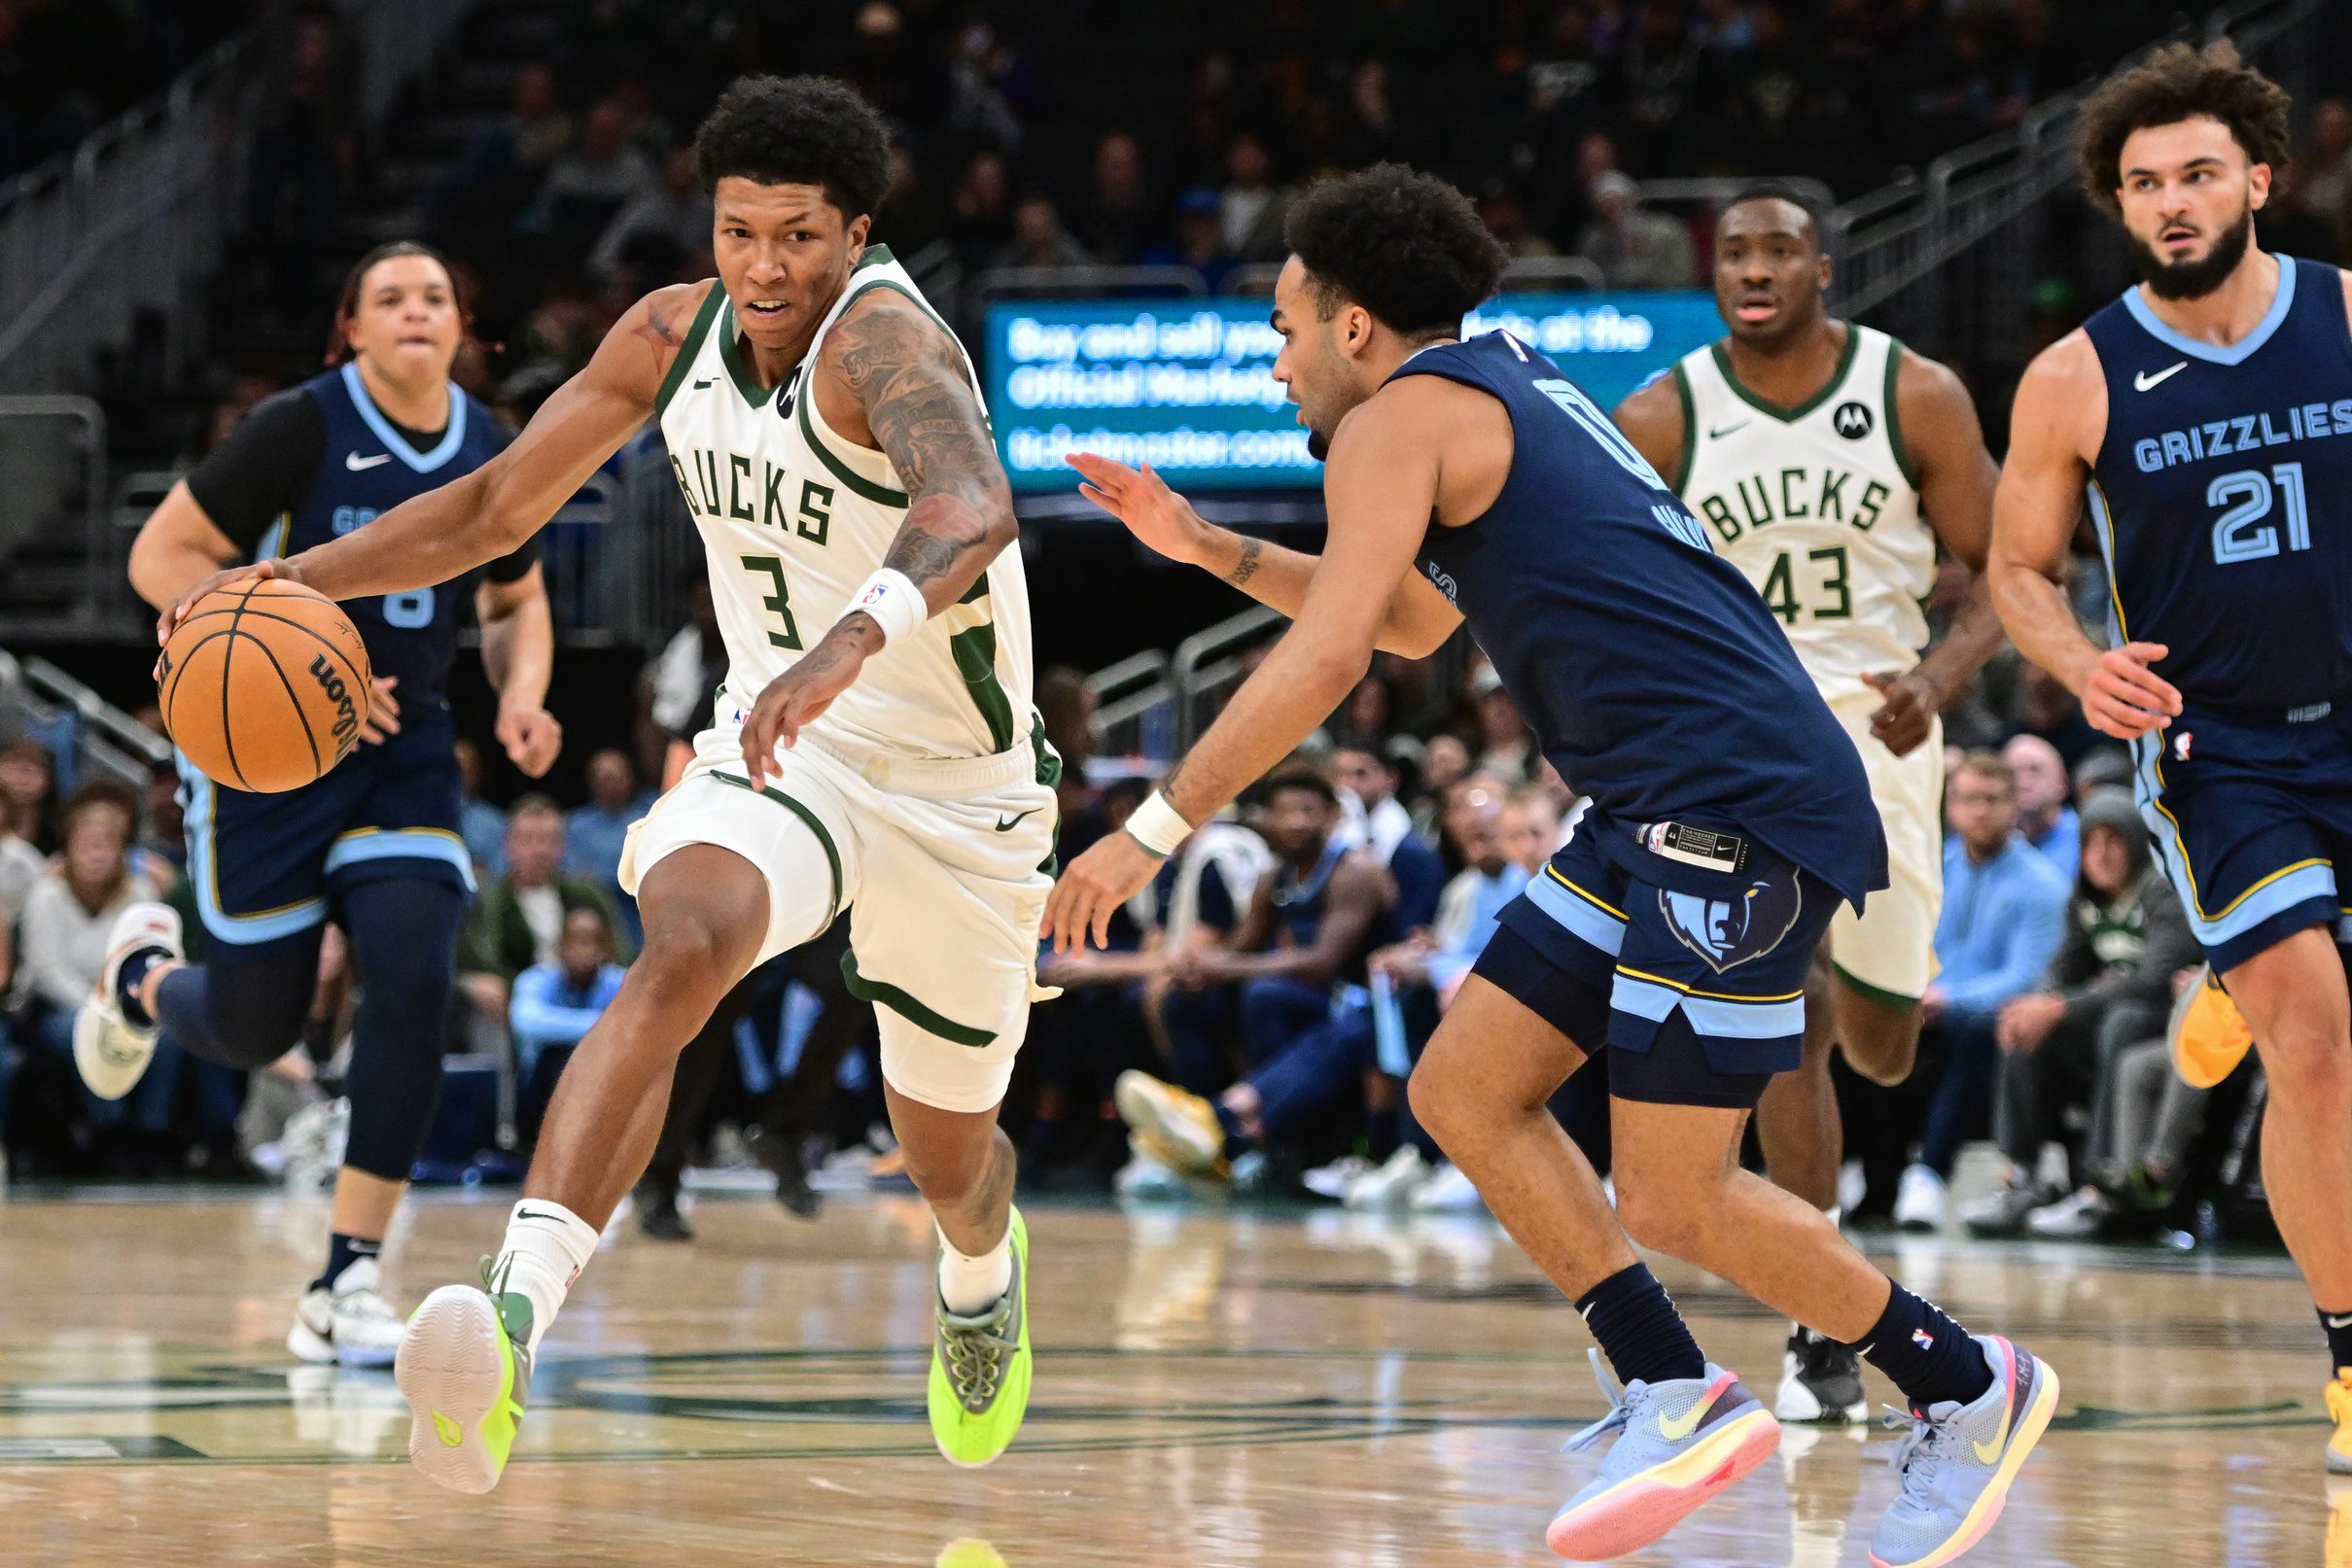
x=1622, y=1408
x=976, y=1358
x=1929, y=1440
x=365, y=1304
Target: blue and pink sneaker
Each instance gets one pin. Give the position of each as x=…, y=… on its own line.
x=1960, y=1461
x=1680, y=1442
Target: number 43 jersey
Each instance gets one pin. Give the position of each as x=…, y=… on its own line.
x=1819, y=507
x=794, y=519
x=2221, y=495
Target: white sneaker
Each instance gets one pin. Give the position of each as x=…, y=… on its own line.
x=1921, y=1199
x=1393, y=1184
x=1334, y=1179
x=351, y=1323
x=1448, y=1191
x=112, y=1055
x=2072, y=1218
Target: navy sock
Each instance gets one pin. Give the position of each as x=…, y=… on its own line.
x=1237, y=1141
x=1930, y=1357
x=1634, y=1322
x=127, y=984
x=2340, y=1340
x=342, y=1253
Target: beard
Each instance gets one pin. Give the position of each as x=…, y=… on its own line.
x=2194, y=280
x=1318, y=444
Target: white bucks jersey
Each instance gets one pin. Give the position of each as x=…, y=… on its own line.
x=794, y=519
x=1817, y=504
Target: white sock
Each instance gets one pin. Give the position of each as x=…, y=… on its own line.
x=546, y=1246
x=969, y=1286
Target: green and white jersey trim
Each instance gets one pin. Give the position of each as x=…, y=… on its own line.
x=794, y=518
x=1819, y=505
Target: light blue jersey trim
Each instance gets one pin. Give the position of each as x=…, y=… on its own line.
x=2237, y=353
x=273, y=539
x=2268, y=898
x=422, y=461
x=402, y=844
x=243, y=931
x=1711, y=1017
x=1583, y=921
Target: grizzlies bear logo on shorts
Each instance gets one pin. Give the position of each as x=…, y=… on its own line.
x=1727, y=933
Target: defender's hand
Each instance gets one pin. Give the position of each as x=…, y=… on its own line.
x=1911, y=703
x=1153, y=513
x=2124, y=698
x=801, y=696
x=532, y=738
x=383, y=712
x=1093, y=886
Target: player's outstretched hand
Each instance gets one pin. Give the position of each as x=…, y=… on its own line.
x=532, y=738
x=383, y=711
x=1092, y=887
x=1161, y=519
x=2124, y=698
x=1903, y=720
x=169, y=621
x=800, y=696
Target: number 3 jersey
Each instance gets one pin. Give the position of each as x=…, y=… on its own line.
x=1651, y=673
x=2221, y=494
x=1819, y=505
x=793, y=520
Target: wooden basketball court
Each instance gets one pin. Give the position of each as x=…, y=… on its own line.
x=1212, y=1388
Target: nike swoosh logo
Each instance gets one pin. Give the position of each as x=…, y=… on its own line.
x=531, y=1214
x=703, y=382
x=2345, y=1322
x=1687, y=1422
x=1715, y=435
x=1988, y=1454
x=360, y=465
x=1005, y=825
x=2143, y=381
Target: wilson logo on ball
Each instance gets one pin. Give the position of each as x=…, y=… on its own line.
x=346, y=717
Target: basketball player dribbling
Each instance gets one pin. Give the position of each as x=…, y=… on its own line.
x=374, y=843
x=874, y=747
x=2205, y=417
x=1828, y=459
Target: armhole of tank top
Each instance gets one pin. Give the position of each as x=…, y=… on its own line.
x=691, y=349
x=1689, y=459
x=1894, y=414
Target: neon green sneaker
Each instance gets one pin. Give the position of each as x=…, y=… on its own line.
x=979, y=1387
x=465, y=1366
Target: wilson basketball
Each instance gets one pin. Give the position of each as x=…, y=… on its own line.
x=265, y=686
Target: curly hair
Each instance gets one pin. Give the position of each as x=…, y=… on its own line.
x=2178, y=83
x=797, y=130
x=1406, y=246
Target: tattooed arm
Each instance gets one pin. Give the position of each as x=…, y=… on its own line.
x=1418, y=618
x=891, y=375
x=486, y=514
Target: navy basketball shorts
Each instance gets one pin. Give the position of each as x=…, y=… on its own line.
x=2250, y=823
x=1696, y=990
x=268, y=867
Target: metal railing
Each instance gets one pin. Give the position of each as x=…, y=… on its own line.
x=90, y=737
x=1133, y=715
x=1951, y=259
x=59, y=478
x=1209, y=665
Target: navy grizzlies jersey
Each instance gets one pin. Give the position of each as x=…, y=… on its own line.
x=366, y=467
x=2223, y=498
x=1656, y=680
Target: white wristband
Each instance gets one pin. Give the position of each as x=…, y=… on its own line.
x=894, y=603
x=1158, y=825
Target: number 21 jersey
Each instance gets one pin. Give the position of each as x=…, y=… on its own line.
x=2220, y=498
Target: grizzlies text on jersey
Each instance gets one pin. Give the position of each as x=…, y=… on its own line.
x=2221, y=498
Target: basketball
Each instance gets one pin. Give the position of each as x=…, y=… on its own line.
x=265, y=686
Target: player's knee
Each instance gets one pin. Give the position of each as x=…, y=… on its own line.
x=2308, y=1064
x=948, y=1178
x=258, y=1024
x=1440, y=1092
x=1885, y=1055
x=686, y=961
x=1662, y=1216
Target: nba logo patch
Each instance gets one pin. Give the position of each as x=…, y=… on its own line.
x=1922, y=1338
x=2179, y=746
x=1727, y=933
